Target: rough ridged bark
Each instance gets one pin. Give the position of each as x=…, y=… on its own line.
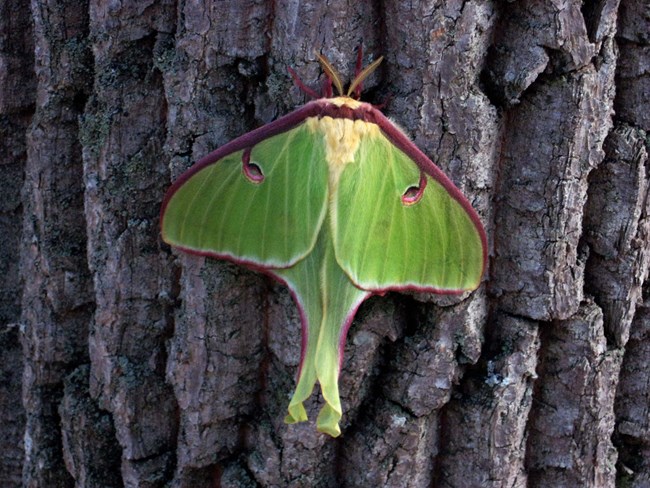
x=17, y=95
x=56, y=301
x=142, y=367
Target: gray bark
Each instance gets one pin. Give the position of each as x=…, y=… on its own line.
x=124, y=363
x=17, y=96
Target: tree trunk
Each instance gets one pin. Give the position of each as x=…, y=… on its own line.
x=124, y=363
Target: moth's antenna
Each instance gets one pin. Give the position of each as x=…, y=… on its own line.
x=367, y=71
x=330, y=72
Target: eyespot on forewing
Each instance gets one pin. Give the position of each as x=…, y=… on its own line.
x=251, y=169
x=413, y=194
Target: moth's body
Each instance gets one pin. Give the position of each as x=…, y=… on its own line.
x=337, y=203
x=341, y=134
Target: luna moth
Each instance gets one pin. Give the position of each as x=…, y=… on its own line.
x=334, y=201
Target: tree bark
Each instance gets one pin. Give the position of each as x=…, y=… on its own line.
x=125, y=363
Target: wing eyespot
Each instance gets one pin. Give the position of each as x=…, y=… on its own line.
x=252, y=171
x=413, y=194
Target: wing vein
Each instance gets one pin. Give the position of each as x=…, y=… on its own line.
x=209, y=207
x=374, y=215
x=393, y=210
x=188, y=209
x=286, y=186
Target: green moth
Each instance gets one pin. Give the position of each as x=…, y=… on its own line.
x=334, y=201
